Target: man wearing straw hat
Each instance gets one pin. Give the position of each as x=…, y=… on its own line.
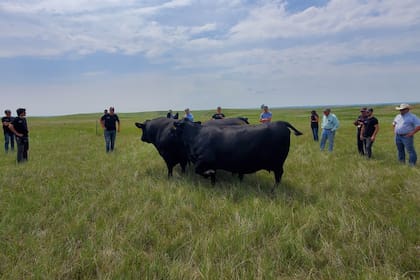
x=406, y=125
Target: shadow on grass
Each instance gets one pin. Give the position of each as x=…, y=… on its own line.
x=257, y=185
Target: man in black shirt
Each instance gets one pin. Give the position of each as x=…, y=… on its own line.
x=219, y=115
x=20, y=128
x=111, y=124
x=368, y=132
x=9, y=137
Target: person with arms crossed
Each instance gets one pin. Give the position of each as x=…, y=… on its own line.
x=19, y=127
x=9, y=137
x=219, y=115
x=359, y=123
x=406, y=125
x=111, y=125
x=368, y=132
x=329, y=126
x=266, y=115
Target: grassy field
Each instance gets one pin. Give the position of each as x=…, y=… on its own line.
x=75, y=212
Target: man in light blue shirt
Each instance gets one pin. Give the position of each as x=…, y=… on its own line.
x=406, y=125
x=329, y=125
x=266, y=115
x=188, y=115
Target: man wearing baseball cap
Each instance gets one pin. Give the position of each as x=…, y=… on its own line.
x=406, y=125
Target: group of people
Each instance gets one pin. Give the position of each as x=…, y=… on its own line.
x=405, y=126
x=188, y=115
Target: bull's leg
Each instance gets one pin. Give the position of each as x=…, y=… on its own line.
x=277, y=176
x=213, y=178
x=183, y=165
x=241, y=177
x=212, y=174
x=170, y=169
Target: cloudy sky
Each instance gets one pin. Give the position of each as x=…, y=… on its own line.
x=64, y=57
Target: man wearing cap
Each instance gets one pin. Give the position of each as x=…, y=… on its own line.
x=19, y=127
x=368, y=132
x=329, y=125
x=359, y=123
x=406, y=125
x=9, y=137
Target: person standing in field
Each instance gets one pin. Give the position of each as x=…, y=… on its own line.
x=171, y=115
x=314, y=125
x=19, y=127
x=266, y=115
x=368, y=132
x=188, y=115
x=111, y=125
x=9, y=137
x=406, y=125
x=329, y=126
x=359, y=123
x=218, y=115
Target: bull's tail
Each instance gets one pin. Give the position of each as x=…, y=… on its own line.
x=296, y=132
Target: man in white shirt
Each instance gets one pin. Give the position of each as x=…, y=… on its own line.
x=406, y=125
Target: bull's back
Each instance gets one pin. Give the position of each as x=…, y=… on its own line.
x=246, y=150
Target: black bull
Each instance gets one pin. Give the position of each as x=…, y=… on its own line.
x=161, y=133
x=238, y=149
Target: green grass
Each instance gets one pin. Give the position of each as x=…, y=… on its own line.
x=75, y=212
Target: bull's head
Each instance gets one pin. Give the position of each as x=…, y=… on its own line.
x=142, y=126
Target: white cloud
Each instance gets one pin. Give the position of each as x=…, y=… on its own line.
x=227, y=52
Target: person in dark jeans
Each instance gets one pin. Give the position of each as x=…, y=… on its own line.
x=111, y=124
x=359, y=123
x=315, y=125
x=9, y=137
x=368, y=132
x=19, y=127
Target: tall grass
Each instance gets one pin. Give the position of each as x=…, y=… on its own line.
x=74, y=212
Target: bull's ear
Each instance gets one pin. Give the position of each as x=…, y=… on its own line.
x=139, y=125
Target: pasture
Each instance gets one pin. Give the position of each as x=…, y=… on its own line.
x=74, y=212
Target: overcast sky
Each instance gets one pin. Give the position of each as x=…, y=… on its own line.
x=63, y=57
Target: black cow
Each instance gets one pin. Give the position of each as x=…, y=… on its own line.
x=227, y=122
x=238, y=149
x=160, y=132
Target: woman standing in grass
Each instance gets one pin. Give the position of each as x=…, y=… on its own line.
x=314, y=124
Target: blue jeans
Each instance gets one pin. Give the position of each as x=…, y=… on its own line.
x=406, y=143
x=110, y=139
x=327, y=134
x=315, y=133
x=367, y=144
x=9, y=138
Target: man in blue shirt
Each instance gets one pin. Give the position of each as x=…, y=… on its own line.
x=406, y=125
x=188, y=115
x=266, y=115
x=329, y=125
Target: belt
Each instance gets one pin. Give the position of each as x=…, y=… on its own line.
x=399, y=134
